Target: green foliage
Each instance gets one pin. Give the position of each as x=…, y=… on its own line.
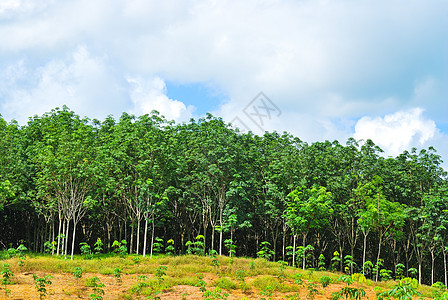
x=402, y=291
x=439, y=291
x=265, y=251
x=400, y=271
x=6, y=274
x=225, y=283
x=85, y=250
x=321, y=263
x=367, y=268
x=349, y=293
x=312, y=291
x=201, y=283
x=412, y=272
x=197, y=247
x=97, y=287
x=50, y=247
x=98, y=246
x=158, y=245
x=385, y=274
x=120, y=248
x=41, y=283
x=230, y=246
x=215, y=294
x=117, y=275
x=335, y=260
x=325, y=281
x=298, y=279
x=169, y=249
x=77, y=272
x=349, y=262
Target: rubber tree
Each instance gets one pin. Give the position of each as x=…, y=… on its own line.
x=307, y=209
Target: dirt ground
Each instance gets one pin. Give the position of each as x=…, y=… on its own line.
x=64, y=286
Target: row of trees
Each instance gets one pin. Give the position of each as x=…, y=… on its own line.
x=70, y=180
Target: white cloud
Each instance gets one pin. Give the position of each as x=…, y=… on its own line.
x=150, y=94
x=397, y=132
x=84, y=83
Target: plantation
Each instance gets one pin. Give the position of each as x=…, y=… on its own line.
x=190, y=277
x=139, y=187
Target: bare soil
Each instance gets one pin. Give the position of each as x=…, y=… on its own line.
x=64, y=286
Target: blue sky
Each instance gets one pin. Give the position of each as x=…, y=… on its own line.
x=329, y=69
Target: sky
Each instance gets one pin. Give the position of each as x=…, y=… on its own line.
x=318, y=69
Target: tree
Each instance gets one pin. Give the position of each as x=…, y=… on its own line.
x=308, y=208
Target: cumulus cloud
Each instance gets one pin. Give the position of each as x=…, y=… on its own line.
x=397, y=132
x=150, y=94
x=83, y=82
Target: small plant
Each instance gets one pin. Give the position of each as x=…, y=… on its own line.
x=136, y=259
x=321, y=263
x=117, y=275
x=50, y=247
x=215, y=294
x=413, y=272
x=201, y=283
x=335, y=261
x=349, y=262
x=160, y=272
x=312, y=291
x=77, y=272
x=359, y=278
x=376, y=269
x=120, y=248
x=6, y=278
x=169, y=249
x=385, y=274
x=325, y=281
x=230, y=246
x=349, y=293
x=85, y=250
x=252, y=265
x=403, y=291
x=438, y=290
x=41, y=283
x=399, y=271
x=157, y=246
x=367, y=268
x=265, y=251
x=266, y=292
x=281, y=270
x=98, y=246
x=97, y=287
x=298, y=279
x=197, y=247
x=241, y=277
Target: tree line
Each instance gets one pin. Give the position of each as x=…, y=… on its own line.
x=146, y=181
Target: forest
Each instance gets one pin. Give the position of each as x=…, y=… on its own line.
x=202, y=186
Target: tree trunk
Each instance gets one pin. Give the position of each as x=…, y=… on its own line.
x=152, y=235
x=138, y=235
x=132, y=237
x=59, y=235
x=378, y=257
x=145, y=237
x=365, y=233
x=294, y=251
x=304, y=252
x=73, y=239
x=432, y=266
x=444, y=266
x=66, y=239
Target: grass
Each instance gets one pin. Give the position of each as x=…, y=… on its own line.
x=259, y=274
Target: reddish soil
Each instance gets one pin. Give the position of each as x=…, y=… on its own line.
x=64, y=286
